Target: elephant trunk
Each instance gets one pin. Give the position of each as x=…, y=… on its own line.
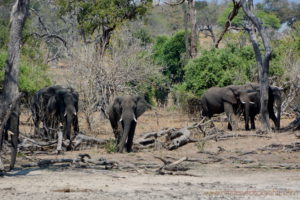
x=69, y=115
x=128, y=122
x=278, y=105
x=247, y=115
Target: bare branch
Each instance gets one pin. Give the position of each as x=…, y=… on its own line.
x=174, y=4
x=233, y=13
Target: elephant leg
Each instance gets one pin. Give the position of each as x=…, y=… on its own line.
x=229, y=126
x=75, y=125
x=14, y=127
x=246, y=123
x=130, y=137
x=273, y=117
x=252, y=118
x=230, y=115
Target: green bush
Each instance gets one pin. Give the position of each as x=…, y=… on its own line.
x=32, y=77
x=219, y=67
x=169, y=52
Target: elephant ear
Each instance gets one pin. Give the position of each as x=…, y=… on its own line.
x=141, y=105
x=115, y=109
x=51, y=106
x=230, y=96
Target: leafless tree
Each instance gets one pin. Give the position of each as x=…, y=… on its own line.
x=99, y=79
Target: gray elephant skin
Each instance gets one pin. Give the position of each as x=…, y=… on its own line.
x=228, y=99
x=58, y=104
x=13, y=126
x=274, y=99
x=123, y=114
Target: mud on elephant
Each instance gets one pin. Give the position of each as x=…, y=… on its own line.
x=123, y=114
x=54, y=105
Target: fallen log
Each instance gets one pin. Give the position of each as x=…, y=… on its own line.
x=294, y=147
x=171, y=166
x=88, y=141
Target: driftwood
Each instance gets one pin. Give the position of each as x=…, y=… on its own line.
x=276, y=166
x=87, y=141
x=294, y=147
x=294, y=125
x=172, y=138
x=80, y=141
x=171, y=166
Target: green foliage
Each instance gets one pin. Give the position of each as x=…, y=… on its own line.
x=93, y=14
x=219, y=67
x=144, y=36
x=269, y=20
x=110, y=146
x=169, y=53
x=32, y=77
x=158, y=49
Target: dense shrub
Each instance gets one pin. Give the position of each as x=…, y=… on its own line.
x=169, y=52
x=32, y=76
x=219, y=67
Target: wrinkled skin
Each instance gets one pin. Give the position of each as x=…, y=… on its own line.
x=228, y=99
x=274, y=99
x=58, y=104
x=123, y=114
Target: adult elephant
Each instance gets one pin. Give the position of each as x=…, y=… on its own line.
x=123, y=114
x=227, y=99
x=58, y=104
x=11, y=128
x=274, y=100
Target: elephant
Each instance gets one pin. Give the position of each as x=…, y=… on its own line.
x=58, y=104
x=123, y=114
x=226, y=99
x=11, y=128
x=274, y=98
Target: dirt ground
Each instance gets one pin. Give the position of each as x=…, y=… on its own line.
x=243, y=168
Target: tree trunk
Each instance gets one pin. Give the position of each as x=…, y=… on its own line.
x=193, y=22
x=10, y=88
x=262, y=62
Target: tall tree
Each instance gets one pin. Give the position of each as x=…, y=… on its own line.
x=191, y=22
x=9, y=110
x=263, y=61
x=97, y=19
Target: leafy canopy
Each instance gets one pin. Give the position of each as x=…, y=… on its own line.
x=93, y=14
x=269, y=20
x=169, y=52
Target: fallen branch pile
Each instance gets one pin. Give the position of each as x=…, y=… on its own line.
x=294, y=147
x=30, y=145
x=174, y=138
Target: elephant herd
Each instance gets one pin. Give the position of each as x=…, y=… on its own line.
x=56, y=107
x=235, y=99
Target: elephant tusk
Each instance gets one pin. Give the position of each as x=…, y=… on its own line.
x=121, y=119
x=243, y=102
x=134, y=118
x=75, y=113
x=65, y=114
x=10, y=133
x=251, y=102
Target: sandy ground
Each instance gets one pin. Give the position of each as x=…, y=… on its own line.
x=230, y=178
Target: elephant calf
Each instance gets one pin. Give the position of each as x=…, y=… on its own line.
x=123, y=114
